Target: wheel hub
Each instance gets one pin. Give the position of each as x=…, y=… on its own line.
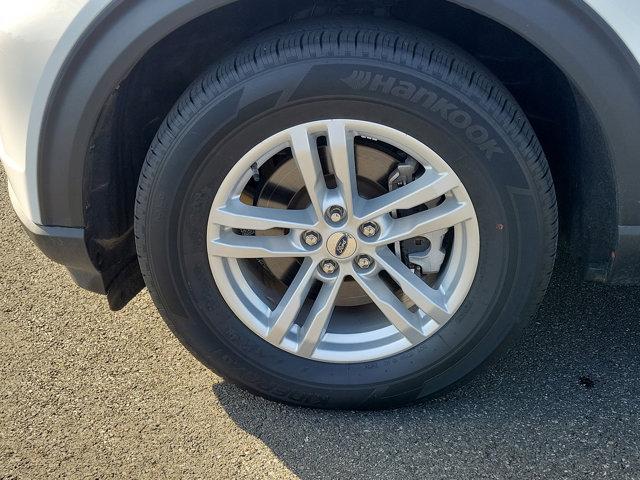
x=283, y=187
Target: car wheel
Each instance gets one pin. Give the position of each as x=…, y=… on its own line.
x=346, y=214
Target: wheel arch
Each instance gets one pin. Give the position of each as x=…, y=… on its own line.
x=86, y=176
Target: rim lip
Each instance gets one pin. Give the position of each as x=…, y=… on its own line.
x=339, y=347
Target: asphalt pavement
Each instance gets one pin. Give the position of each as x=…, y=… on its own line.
x=85, y=392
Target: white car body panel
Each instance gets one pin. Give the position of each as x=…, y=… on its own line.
x=623, y=16
x=36, y=36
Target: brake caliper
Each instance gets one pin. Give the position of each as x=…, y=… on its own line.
x=424, y=254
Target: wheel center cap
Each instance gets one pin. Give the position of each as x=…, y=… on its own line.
x=342, y=245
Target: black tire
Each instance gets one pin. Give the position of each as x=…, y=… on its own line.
x=368, y=70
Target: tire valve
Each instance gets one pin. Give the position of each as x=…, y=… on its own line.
x=256, y=173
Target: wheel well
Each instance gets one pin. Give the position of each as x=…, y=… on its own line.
x=564, y=122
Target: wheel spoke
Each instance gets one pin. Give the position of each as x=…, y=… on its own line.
x=232, y=245
x=444, y=216
x=305, y=154
x=407, y=322
x=236, y=214
x=282, y=318
x=318, y=319
x=431, y=301
x=429, y=186
x=342, y=152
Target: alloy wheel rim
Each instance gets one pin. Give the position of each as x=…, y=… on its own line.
x=304, y=320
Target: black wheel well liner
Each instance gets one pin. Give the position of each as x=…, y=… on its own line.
x=127, y=71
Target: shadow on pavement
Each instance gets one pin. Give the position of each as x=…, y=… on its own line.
x=564, y=402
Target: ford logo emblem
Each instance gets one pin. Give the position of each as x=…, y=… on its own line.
x=341, y=245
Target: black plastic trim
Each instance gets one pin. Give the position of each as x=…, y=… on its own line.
x=569, y=32
x=100, y=60
x=65, y=245
x=601, y=66
x=625, y=268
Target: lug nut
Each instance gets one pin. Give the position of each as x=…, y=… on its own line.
x=335, y=213
x=328, y=266
x=310, y=238
x=369, y=229
x=364, y=261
